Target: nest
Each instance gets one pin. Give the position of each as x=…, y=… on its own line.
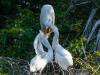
x=21, y=67
x=13, y=66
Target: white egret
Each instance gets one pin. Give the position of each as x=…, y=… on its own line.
x=47, y=18
x=62, y=56
x=39, y=62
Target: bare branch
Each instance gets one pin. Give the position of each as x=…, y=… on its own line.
x=93, y=12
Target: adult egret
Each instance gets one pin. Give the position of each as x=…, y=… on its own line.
x=39, y=62
x=47, y=18
x=47, y=15
x=62, y=56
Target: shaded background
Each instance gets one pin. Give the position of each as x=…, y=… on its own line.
x=19, y=24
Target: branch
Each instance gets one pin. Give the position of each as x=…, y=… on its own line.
x=96, y=70
x=93, y=30
x=93, y=12
x=82, y=3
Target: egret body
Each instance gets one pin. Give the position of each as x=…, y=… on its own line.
x=39, y=62
x=62, y=56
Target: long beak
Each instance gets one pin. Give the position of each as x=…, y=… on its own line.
x=47, y=31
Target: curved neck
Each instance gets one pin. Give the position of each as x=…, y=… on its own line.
x=45, y=41
x=37, y=45
x=56, y=36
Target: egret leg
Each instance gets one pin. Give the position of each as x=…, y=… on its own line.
x=69, y=71
x=63, y=72
x=34, y=73
x=46, y=70
x=52, y=64
x=40, y=72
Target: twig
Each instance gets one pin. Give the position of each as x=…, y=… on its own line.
x=83, y=48
x=93, y=12
x=96, y=70
x=83, y=3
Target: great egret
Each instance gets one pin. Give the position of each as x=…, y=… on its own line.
x=62, y=56
x=47, y=16
x=39, y=62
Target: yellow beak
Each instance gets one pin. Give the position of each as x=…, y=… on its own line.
x=47, y=31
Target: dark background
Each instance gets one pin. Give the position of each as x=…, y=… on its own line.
x=19, y=24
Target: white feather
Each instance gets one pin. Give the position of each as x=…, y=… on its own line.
x=47, y=16
x=62, y=56
x=39, y=62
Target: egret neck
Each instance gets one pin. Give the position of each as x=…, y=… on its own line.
x=56, y=36
x=46, y=43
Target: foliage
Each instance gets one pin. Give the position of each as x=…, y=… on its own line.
x=19, y=35
x=97, y=3
x=19, y=24
x=11, y=66
x=88, y=63
x=77, y=46
x=85, y=60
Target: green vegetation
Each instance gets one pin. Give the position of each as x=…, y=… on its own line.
x=19, y=24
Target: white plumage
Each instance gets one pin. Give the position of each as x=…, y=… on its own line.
x=62, y=56
x=47, y=16
x=39, y=62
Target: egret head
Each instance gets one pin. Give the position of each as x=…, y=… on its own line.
x=47, y=17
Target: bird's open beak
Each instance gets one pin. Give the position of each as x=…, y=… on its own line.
x=47, y=31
